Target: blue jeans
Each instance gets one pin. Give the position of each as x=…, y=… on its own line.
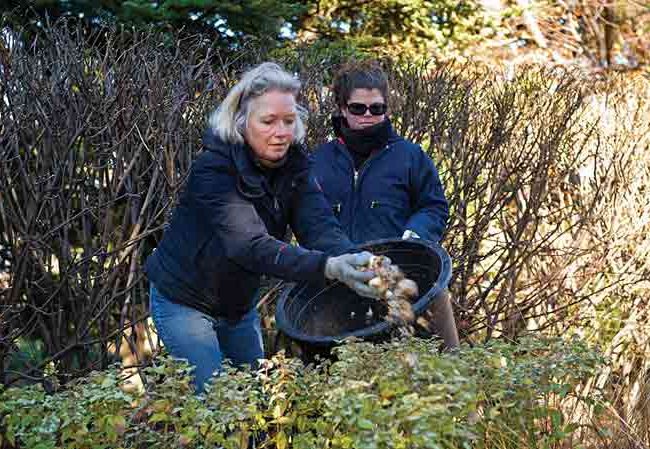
x=205, y=341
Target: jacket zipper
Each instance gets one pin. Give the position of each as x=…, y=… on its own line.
x=275, y=206
x=358, y=174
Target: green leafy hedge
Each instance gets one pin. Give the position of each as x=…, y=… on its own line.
x=401, y=394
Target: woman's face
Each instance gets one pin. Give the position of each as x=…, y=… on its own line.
x=271, y=125
x=365, y=97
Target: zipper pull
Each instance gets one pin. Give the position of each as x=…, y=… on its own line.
x=276, y=204
x=356, y=176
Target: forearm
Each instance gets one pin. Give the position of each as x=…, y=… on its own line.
x=428, y=224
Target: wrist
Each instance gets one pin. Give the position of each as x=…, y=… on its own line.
x=327, y=268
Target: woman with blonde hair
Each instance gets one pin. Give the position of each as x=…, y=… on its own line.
x=248, y=185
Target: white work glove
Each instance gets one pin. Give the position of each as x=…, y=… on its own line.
x=408, y=234
x=345, y=269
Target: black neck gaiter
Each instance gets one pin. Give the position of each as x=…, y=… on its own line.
x=362, y=142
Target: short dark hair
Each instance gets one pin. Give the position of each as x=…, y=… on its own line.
x=359, y=75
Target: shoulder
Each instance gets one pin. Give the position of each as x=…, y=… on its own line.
x=210, y=161
x=325, y=148
x=417, y=161
x=213, y=170
x=407, y=146
x=217, y=152
x=324, y=151
x=409, y=151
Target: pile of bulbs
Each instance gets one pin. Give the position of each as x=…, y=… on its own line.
x=394, y=289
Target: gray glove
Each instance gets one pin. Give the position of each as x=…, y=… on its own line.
x=345, y=269
x=408, y=234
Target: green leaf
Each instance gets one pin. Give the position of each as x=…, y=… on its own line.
x=570, y=428
x=159, y=417
x=281, y=440
x=365, y=424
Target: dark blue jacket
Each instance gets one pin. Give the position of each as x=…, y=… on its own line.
x=396, y=189
x=229, y=225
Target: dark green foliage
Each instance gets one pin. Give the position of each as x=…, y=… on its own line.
x=227, y=19
x=387, y=26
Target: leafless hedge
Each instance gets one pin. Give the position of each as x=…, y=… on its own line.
x=98, y=132
x=97, y=135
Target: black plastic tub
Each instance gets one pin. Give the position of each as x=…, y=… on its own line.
x=322, y=315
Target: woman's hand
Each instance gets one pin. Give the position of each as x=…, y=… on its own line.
x=345, y=268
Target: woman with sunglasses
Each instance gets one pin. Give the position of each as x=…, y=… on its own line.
x=379, y=184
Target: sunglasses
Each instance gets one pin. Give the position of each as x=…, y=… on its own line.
x=360, y=108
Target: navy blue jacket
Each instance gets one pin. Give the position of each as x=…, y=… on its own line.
x=396, y=189
x=229, y=225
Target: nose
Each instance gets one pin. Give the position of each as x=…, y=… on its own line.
x=282, y=129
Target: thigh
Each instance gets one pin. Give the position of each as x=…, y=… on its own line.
x=241, y=341
x=439, y=320
x=444, y=320
x=187, y=334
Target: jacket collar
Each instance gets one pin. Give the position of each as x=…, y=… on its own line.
x=252, y=180
x=339, y=122
x=343, y=152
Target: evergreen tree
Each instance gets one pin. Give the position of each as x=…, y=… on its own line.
x=231, y=19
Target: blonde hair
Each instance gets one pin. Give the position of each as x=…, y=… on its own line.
x=229, y=120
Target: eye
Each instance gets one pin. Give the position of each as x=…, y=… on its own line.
x=267, y=121
x=289, y=121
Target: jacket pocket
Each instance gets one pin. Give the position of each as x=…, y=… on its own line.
x=383, y=205
x=336, y=209
x=386, y=216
